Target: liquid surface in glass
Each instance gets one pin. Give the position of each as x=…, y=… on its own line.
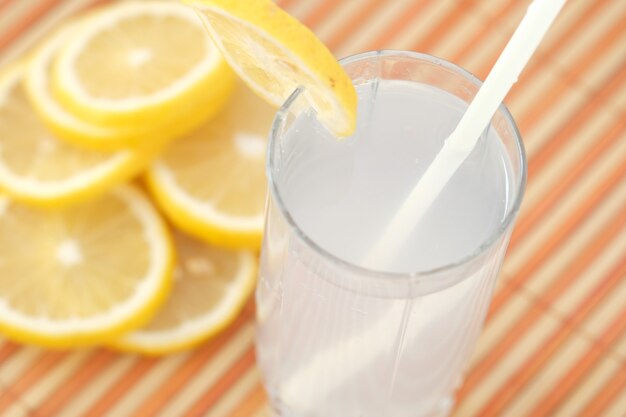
x=343, y=194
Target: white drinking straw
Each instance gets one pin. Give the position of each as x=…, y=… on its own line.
x=301, y=389
x=459, y=145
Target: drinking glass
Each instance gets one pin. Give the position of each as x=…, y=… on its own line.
x=336, y=339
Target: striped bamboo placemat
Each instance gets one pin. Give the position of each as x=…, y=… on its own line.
x=555, y=340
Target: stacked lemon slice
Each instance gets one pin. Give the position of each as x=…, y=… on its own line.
x=132, y=91
x=84, y=258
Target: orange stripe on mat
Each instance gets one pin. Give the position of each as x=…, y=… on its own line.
x=602, y=239
x=570, y=127
x=286, y=4
x=74, y=383
x=253, y=402
x=417, y=7
x=475, y=41
x=7, y=350
x=226, y=382
x=45, y=363
x=4, y=3
x=353, y=24
x=320, y=13
x=93, y=4
x=186, y=371
x=577, y=70
x=144, y=365
x=461, y=10
x=121, y=387
x=35, y=14
x=577, y=216
x=567, y=181
x=606, y=394
x=543, y=354
x=546, y=57
x=572, y=75
x=7, y=396
x=552, y=400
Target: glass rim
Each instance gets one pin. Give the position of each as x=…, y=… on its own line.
x=273, y=187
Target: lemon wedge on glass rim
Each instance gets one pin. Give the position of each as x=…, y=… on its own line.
x=275, y=54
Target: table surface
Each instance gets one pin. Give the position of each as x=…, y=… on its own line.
x=555, y=340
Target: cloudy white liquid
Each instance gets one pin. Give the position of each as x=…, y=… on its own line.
x=331, y=350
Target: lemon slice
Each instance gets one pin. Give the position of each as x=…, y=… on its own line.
x=84, y=274
x=211, y=285
x=36, y=167
x=81, y=132
x=139, y=64
x=275, y=54
x=211, y=183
